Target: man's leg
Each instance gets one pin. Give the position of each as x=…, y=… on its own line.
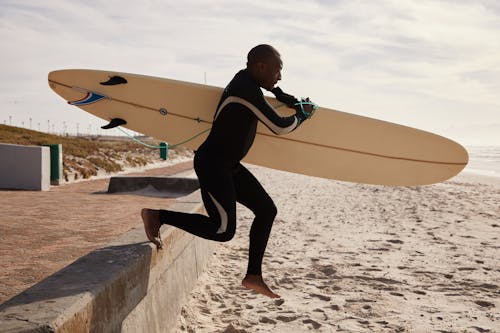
x=251, y=194
x=219, y=197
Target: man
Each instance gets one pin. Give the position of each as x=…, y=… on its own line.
x=223, y=179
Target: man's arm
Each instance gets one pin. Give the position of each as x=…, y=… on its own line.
x=304, y=108
x=254, y=100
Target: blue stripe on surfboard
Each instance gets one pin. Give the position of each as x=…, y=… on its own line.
x=90, y=98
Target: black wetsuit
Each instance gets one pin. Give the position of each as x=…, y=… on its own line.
x=223, y=179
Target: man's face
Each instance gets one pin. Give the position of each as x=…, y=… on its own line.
x=270, y=72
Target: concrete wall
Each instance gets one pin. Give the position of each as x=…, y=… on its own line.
x=24, y=167
x=127, y=286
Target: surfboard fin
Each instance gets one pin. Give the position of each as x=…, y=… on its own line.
x=114, y=80
x=115, y=122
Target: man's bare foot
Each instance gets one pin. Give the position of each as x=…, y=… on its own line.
x=256, y=283
x=151, y=219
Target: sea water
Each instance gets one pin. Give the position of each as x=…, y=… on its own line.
x=484, y=160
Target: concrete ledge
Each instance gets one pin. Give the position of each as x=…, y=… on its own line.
x=127, y=286
x=24, y=167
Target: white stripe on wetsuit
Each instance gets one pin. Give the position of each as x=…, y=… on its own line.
x=276, y=129
x=222, y=214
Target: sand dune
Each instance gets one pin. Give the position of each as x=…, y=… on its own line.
x=358, y=258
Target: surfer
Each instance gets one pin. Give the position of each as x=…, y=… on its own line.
x=223, y=179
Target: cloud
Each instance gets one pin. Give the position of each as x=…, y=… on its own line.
x=425, y=64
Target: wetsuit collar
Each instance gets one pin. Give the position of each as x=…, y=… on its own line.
x=246, y=73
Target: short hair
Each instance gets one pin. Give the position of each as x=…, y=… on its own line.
x=261, y=53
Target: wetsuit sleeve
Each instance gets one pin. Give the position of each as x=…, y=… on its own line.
x=254, y=100
x=283, y=97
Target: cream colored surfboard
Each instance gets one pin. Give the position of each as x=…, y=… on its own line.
x=332, y=144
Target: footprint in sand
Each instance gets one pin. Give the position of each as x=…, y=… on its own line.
x=287, y=319
x=379, y=249
x=371, y=270
x=328, y=270
x=266, y=320
x=321, y=297
x=480, y=329
x=232, y=329
x=311, y=276
x=334, y=307
x=485, y=304
x=467, y=269
x=287, y=283
x=279, y=302
x=397, y=294
x=216, y=297
x=314, y=324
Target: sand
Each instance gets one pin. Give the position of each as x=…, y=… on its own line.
x=358, y=258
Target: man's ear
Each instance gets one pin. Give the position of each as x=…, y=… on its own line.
x=261, y=66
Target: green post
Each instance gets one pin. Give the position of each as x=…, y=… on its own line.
x=56, y=165
x=163, y=151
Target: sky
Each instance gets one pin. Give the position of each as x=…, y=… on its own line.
x=429, y=64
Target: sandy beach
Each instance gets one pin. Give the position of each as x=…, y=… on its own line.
x=359, y=258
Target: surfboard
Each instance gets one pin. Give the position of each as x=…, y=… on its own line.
x=332, y=144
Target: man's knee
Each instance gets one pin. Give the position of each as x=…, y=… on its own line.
x=273, y=211
x=269, y=211
x=226, y=236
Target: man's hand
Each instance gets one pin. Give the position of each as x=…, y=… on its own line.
x=309, y=108
x=305, y=109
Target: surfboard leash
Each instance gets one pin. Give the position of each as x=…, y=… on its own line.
x=166, y=146
x=169, y=146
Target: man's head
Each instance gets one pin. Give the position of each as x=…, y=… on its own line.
x=264, y=64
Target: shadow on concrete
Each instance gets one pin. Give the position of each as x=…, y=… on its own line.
x=105, y=284
x=163, y=187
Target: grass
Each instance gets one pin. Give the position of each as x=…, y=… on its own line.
x=83, y=157
x=72, y=146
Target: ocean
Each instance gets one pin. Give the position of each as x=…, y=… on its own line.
x=484, y=160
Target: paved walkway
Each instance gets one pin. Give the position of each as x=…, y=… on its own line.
x=42, y=232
